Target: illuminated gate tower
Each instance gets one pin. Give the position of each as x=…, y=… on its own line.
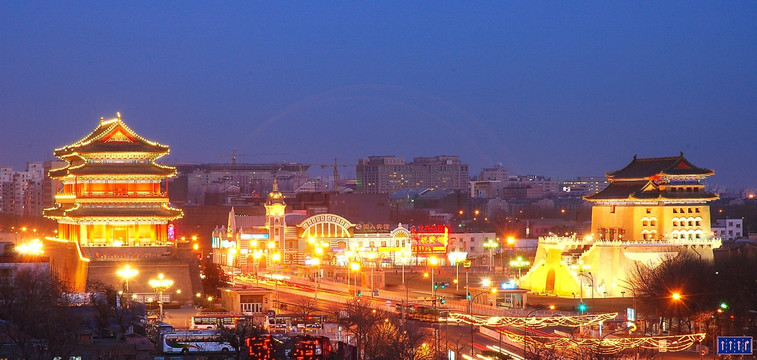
x=652, y=208
x=111, y=190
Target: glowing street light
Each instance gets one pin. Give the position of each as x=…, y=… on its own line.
x=519, y=264
x=127, y=273
x=490, y=244
x=372, y=256
x=354, y=267
x=33, y=247
x=160, y=285
x=456, y=257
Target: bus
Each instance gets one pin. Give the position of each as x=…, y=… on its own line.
x=423, y=313
x=213, y=321
x=202, y=341
x=282, y=323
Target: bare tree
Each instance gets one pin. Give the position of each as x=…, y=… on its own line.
x=35, y=316
x=360, y=320
x=393, y=339
x=237, y=335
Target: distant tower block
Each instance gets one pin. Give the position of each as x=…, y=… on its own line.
x=653, y=207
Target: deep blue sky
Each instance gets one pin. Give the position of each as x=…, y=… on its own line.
x=554, y=88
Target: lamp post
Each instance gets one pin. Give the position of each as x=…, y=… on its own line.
x=490, y=244
x=456, y=257
x=160, y=285
x=403, y=256
x=580, y=267
x=354, y=267
x=519, y=264
x=276, y=257
x=317, y=263
x=486, y=283
x=372, y=256
x=127, y=273
x=629, y=286
x=525, y=330
x=256, y=256
x=432, y=261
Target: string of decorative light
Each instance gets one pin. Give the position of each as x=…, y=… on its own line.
x=608, y=345
x=535, y=322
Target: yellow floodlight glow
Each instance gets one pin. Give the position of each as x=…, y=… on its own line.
x=276, y=257
x=33, y=247
x=355, y=266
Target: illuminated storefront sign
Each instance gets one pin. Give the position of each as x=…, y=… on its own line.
x=253, y=236
x=429, y=239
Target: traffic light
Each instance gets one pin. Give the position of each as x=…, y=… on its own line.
x=467, y=296
x=582, y=307
x=436, y=285
x=443, y=300
x=359, y=293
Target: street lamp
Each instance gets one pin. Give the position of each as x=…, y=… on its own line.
x=511, y=245
x=629, y=286
x=456, y=257
x=485, y=283
x=354, y=267
x=519, y=264
x=160, y=285
x=276, y=257
x=317, y=263
x=372, y=256
x=490, y=244
x=403, y=256
x=432, y=261
x=127, y=273
x=256, y=256
x=580, y=267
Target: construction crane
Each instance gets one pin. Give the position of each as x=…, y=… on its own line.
x=336, y=167
x=234, y=154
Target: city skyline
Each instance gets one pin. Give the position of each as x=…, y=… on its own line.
x=560, y=90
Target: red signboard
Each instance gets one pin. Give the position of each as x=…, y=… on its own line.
x=429, y=239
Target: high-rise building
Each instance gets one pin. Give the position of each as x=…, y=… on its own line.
x=389, y=174
x=21, y=191
x=584, y=185
x=215, y=184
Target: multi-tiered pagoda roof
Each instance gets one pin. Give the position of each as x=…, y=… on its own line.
x=111, y=174
x=648, y=179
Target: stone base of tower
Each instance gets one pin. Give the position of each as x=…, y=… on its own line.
x=68, y=263
x=182, y=273
x=77, y=267
x=555, y=269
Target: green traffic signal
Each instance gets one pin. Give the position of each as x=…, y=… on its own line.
x=723, y=305
x=359, y=293
x=582, y=307
x=443, y=300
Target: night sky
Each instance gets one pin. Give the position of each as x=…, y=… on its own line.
x=560, y=88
